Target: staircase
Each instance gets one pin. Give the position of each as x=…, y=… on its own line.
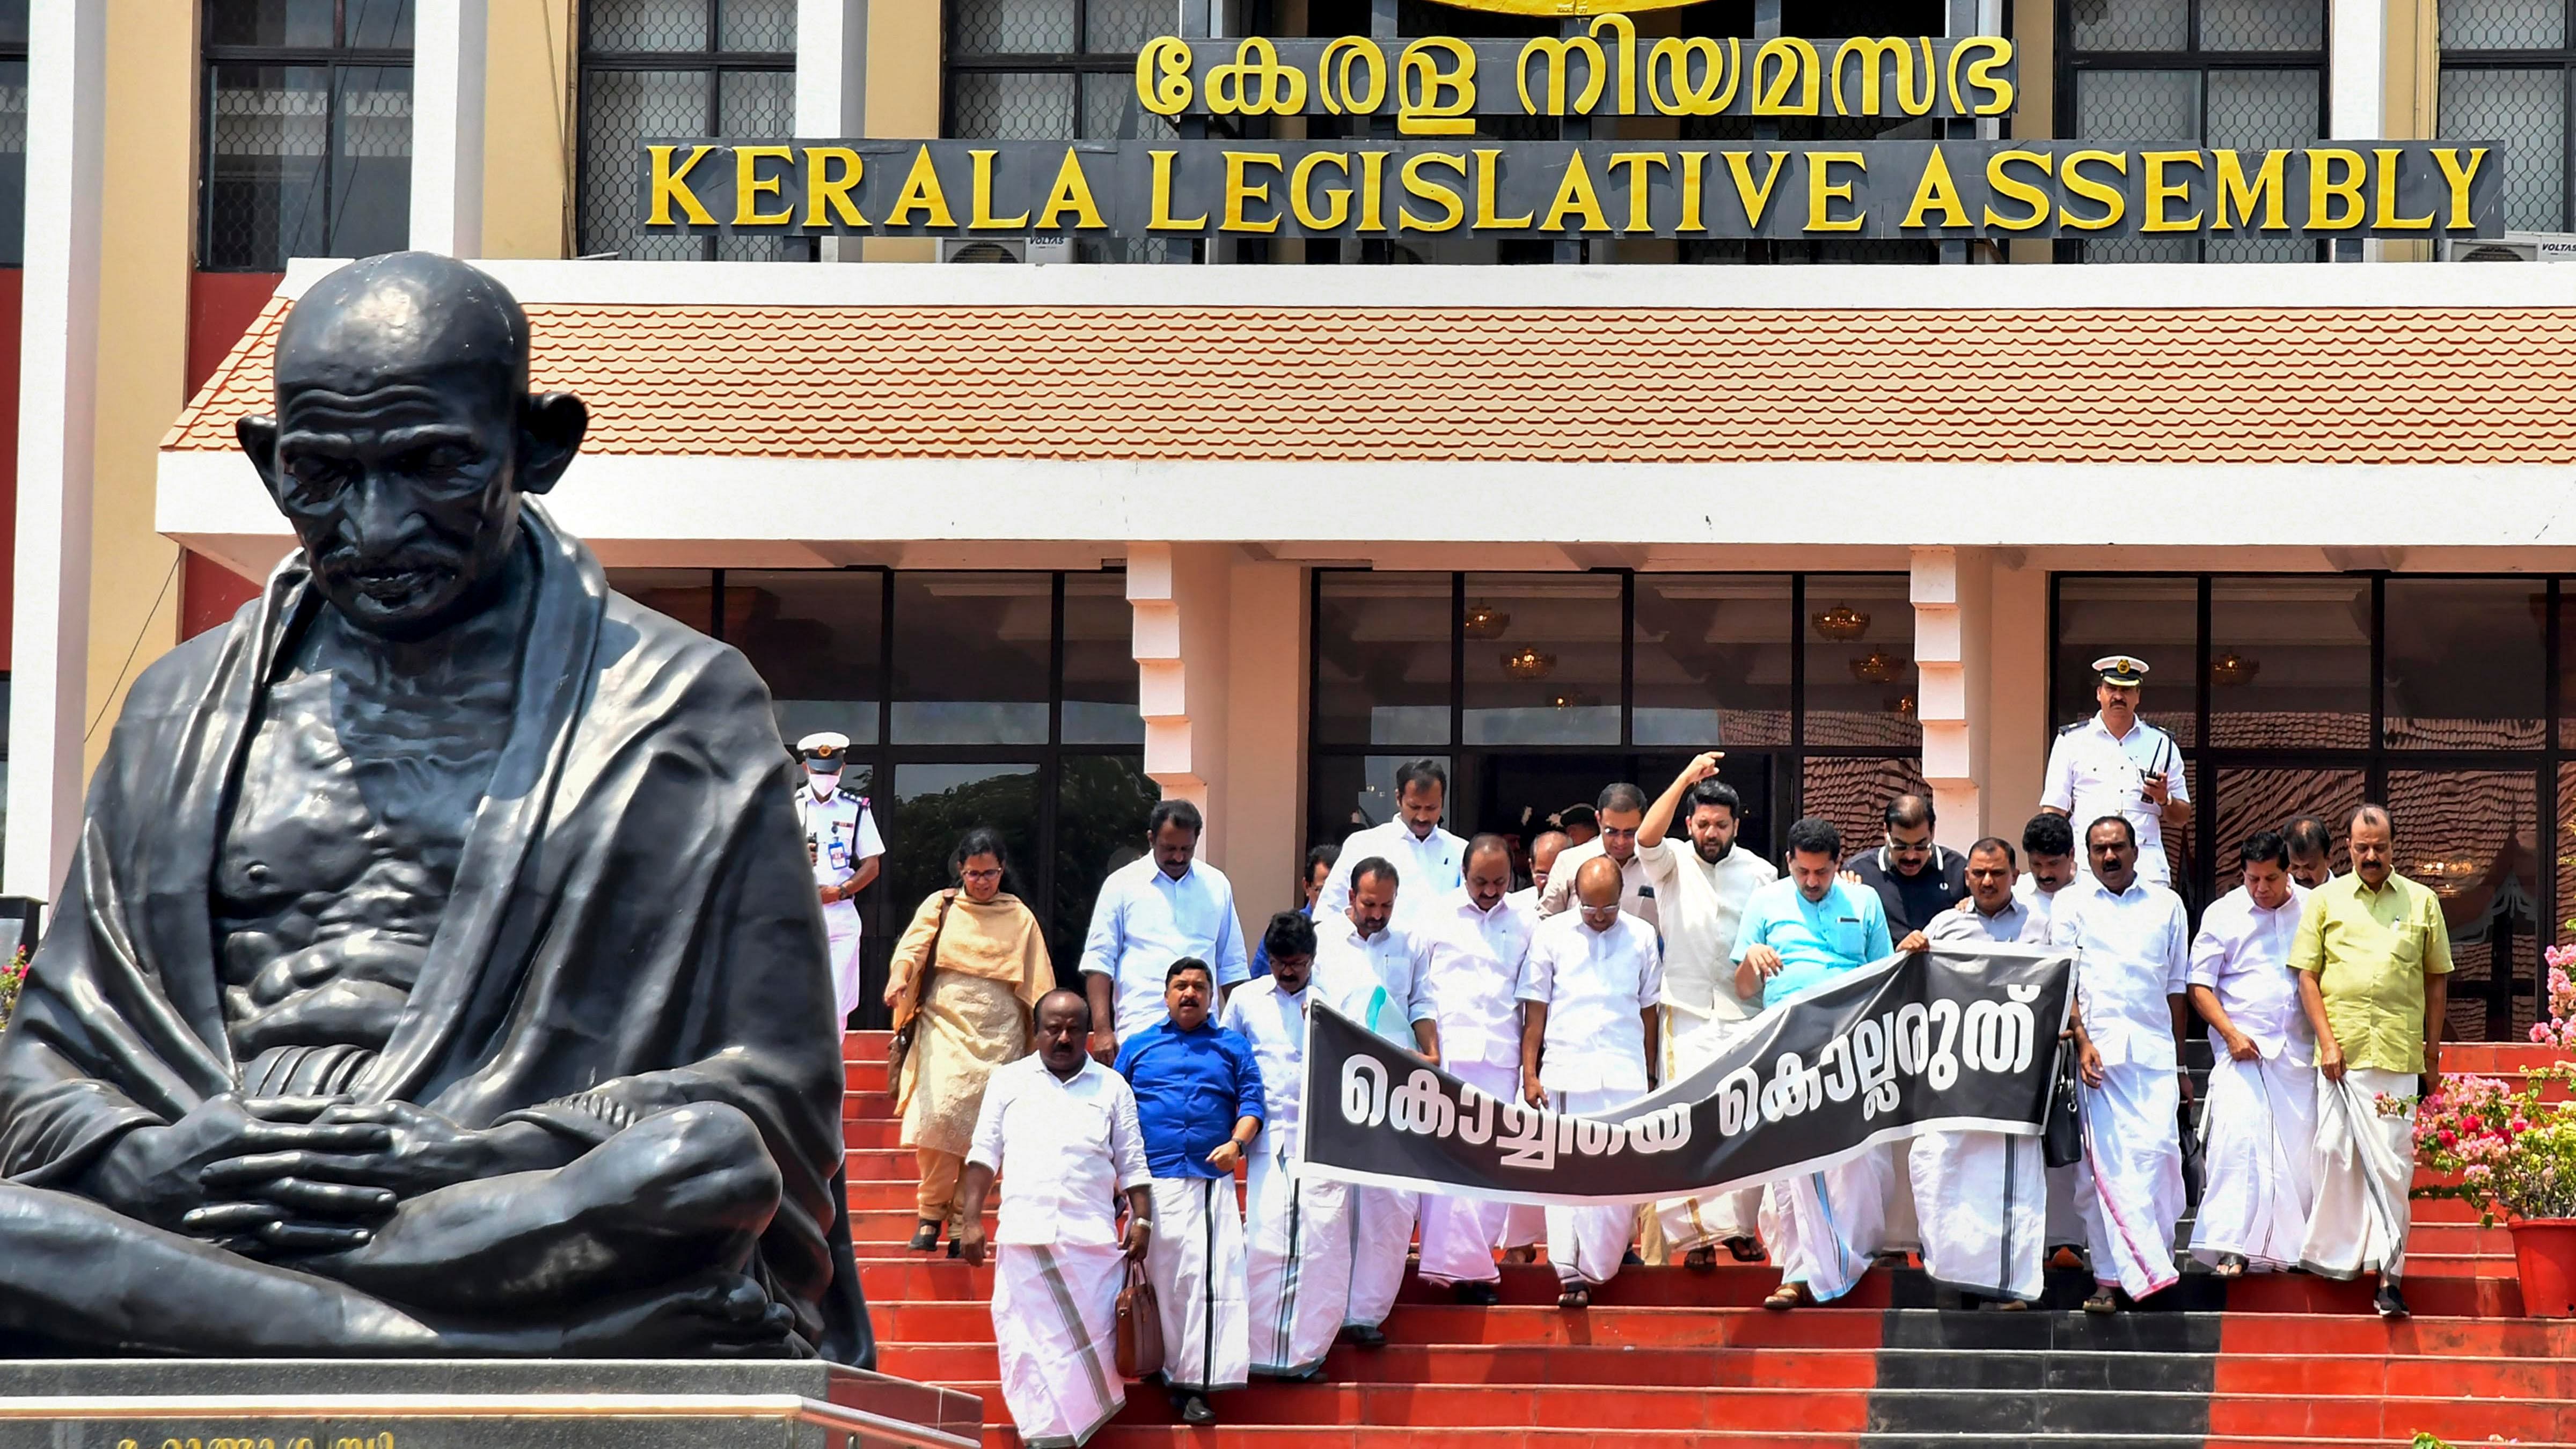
x=1669, y=1357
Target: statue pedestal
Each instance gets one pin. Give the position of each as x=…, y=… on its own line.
x=471, y=1404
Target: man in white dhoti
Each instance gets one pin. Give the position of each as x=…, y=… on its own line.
x=2132, y=966
x=1371, y=972
x=2259, y=1129
x=1798, y=934
x=1589, y=992
x=2374, y=961
x=1426, y=858
x=1982, y=1197
x=1065, y=1127
x=1703, y=883
x=1200, y=1104
x=1472, y=946
x=2048, y=850
x=1300, y=1258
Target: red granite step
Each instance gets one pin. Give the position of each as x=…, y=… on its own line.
x=1800, y=1366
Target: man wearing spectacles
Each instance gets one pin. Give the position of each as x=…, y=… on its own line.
x=1915, y=879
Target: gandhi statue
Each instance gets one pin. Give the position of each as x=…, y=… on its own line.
x=439, y=971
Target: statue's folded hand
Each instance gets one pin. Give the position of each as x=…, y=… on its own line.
x=156, y=1174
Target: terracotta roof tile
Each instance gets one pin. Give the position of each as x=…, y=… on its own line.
x=2378, y=385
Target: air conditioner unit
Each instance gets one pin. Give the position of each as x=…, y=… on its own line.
x=2513, y=246
x=1006, y=249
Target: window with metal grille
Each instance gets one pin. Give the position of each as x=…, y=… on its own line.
x=669, y=68
x=307, y=127
x=13, y=132
x=2244, y=73
x=2508, y=73
x=1046, y=70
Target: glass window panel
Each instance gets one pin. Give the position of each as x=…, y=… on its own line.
x=2257, y=110
x=269, y=22
x=1859, y=634
x=1116, y=25
x=1353, y=792
x=1713, y=655
x=1101, y=803
x=817, y=637
x=13, y=161
x=2525, y=112
x=2567, y=687
x=2472, y=836
x=757, y=105
x=1011, y=27
x=13, y=22
x=2251, y=800
x=266, y=152
x=2289, y=663
x=2503, y=25
x=1543, y=659
x=610, y=26
x=371, y=175
x=2464, y=663
x=971, y=658
x=619, y=109
x=759, y=26
x=933, y=807
x=2262, y=25
x=1853, y=794
x=1011, y=105
x=379, y=24
x=1100, y=662
x=2139, y=105
x=685, y=595
x=2128, y=25
x=1109, y=105
x=2157, y=620
x=1382, y=659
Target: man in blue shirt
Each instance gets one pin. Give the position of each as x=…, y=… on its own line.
x=1199, y=1104
x=1798, y=933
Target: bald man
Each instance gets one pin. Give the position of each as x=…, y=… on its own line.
x=1591, y=992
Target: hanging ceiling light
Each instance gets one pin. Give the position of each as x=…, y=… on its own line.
x=1528, y=662
x=1877, y=667
x=1842, y=623
x=2232, y=668
x=1573, y=699
x=1484, y=621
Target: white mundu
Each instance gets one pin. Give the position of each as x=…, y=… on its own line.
x=2259, y=1129
x=1982, y=1197
x=2093, y=772
x=1427, y=867
x=1702, y=903
x=1064, y=1151
x=1470, y=968
x=2131, y=957
x=1375, y=981
x=1299, y=1264
x=840, y=836
x=1597, y=987
x=2065, y=1226
x=1196, y=1262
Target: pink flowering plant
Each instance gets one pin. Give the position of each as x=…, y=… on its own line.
x=2509, y=1149
x=12, y=977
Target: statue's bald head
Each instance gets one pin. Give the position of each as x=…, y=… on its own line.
x=406, y=314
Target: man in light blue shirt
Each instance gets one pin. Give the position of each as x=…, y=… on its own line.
x=1154, y=911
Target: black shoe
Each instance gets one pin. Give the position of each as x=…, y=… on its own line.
x=1195, y=1410
x=925, y=1237
x=1365, y=1335
x=1475, y=1295
x=2390, y=1303
x=1629, y=1259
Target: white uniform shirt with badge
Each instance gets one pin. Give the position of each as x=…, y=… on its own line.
x=1597, y=986
x=839, y=833
x=1699, y=905
x=1427, y=867
x=2093, y=773
x=1471, y=966
x=1064, y=1150
x=1274, y=1022
x=2243, y=954
x=2132, y=952
x=1144, y=921
x=1351, y=969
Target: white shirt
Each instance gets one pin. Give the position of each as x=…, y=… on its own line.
x=1064, y=1151
x=1275, y=1023
x=1144, y=921
x=2028, y=895
x=1636, y=888
x=839, y=835
x=1526, y=899
x=1426, y=867
x=1350, y=970
x=2131, y=953
x=1698, y=906
x=2015, y=923
x=1471, y=968
x=2093, y=772
x=1597, y=986
x=2243, y=954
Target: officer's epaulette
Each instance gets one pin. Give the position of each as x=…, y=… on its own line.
x=2070, y=729
x=849, y=794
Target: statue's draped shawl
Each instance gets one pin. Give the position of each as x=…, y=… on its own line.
x=633, y=925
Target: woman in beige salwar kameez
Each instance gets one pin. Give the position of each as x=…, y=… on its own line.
x=990, y=970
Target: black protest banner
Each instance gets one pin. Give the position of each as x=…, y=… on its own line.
x=1956, y=1038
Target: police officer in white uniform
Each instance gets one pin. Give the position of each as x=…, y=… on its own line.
x=2118, y=764
x=842, y=841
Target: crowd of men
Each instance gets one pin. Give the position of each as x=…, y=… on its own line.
x=1644, y=951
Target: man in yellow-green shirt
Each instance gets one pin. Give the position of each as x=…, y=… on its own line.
x=2373, y=957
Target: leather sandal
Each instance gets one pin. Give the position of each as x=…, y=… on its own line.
x=1578, y=1297
x=2230, y=1265
x=1788, y=1296
x=2102, y=1303
x=925, y=1237
x=1747, y=1250
x=1700, y=1260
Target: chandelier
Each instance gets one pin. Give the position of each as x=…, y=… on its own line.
x=1877, y=667
x=2232, y=668
x=1901, y=705
x=1842, y=623
x=1573, y=699
x=1528, y=662
x=2448, y=875
x=1484, y=621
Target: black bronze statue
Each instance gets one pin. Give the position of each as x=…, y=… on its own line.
x=439, y=971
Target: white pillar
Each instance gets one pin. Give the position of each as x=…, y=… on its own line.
x=832, y=81
x=2357, y=80
x=57, y=438
x=1950, y=592
x=447, y=127
x=1182, y=597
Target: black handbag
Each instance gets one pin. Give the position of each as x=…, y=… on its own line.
x=2061, y=1137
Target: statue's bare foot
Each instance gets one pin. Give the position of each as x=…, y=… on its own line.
x=715, y=1315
